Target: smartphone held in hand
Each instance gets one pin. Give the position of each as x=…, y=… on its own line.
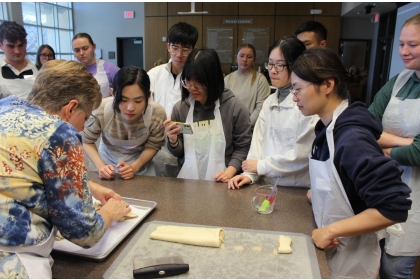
x=185, y=127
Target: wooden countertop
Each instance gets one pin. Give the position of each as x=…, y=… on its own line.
x=197, y=202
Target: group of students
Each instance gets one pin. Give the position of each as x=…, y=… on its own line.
x=305, y=134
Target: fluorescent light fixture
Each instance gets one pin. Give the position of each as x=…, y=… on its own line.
x=192, y=12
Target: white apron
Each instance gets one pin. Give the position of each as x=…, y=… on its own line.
x=402, y=118
x=356, y=256
x=102, y=78
x=35, y=258
x=112, y=150
x=17, y=87
x=204, y=150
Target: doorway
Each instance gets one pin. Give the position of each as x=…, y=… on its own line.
x=130, y=52
x=355, y=55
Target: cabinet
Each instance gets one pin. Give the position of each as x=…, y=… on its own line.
x=221, y=8
x=257, y=8
x=278, y=18
x=156, y=29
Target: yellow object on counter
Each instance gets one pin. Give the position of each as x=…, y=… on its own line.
x=284, y=245
x=208, y=237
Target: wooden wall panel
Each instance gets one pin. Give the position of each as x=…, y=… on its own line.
x=155, y=29
x=197, y=21
x=217, y=22
x=329, y=8
x=294, y=8
x=282, y=18
x=257, y=8
x=287, y=25
x=175, y=7
x=152, y=9
x=221, y=8
x=333, y=25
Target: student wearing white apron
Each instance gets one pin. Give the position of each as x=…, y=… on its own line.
x=357, y=191
x=49, y=189
x=103, y=71
x=165, y=85
x=17, y=72
x=220, y=122
x=130, y=128
x=397, y=105
x=282, y=137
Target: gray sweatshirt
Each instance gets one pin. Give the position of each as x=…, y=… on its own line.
x=236, y=126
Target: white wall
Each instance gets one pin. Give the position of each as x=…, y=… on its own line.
x=348, y=6
x=104, y=22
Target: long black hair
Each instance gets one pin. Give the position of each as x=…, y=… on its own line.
x=317, y=64
x=128, y=76
x=291, y=48
x=203, y=65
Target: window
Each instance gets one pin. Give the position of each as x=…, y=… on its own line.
x=48, y=23
x=3, y=12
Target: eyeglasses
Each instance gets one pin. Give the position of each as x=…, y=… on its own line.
x=174, y=49
x=45, y=55
x=198, y=87
x=296, y=91
x=278, y=67
x=91, y=120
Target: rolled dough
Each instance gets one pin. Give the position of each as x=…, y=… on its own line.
x=208, y=237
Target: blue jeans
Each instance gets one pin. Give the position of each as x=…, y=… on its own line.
x=400, y=267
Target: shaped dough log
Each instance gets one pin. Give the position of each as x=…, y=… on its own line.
x=208, y=237
x=284, y=245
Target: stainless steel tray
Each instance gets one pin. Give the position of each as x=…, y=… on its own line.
x=112, y=237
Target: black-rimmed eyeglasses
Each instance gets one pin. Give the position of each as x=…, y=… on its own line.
x=45, y=55
x=277, y=67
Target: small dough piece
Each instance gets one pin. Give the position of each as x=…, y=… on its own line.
x=58, y=237
x=284, y=245
x=130, y=215
x=207, y=237
x=97, y=205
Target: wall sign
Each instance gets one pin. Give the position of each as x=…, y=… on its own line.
x=128, y=14
x=260, y=39
x=221, y=40
x=238, y=21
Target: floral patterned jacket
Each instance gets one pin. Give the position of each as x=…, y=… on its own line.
x=43, y=183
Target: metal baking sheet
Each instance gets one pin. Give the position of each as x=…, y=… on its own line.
x=112, y=237
x=246, y=253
